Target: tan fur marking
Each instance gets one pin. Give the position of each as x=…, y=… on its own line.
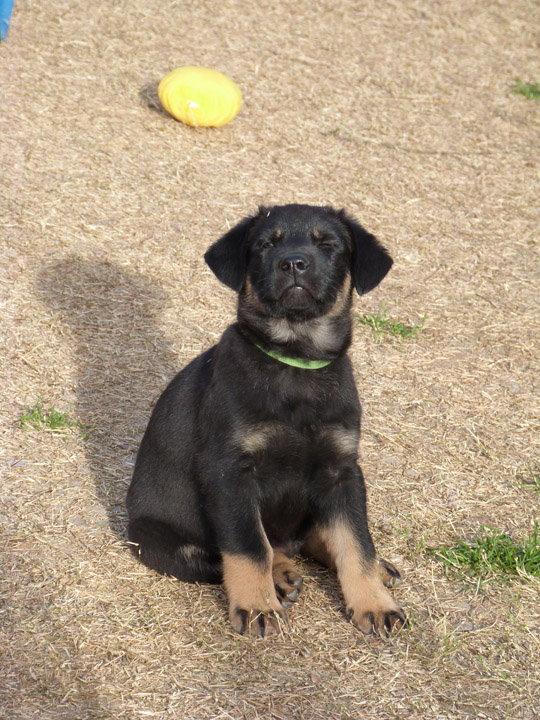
x=248, y=585
x=345, y=440
x=315, y=547
x=344, y=548
x=253, y=604
x=281, y=330
x=342, y=298
x=283, y=566
x=254, y=438
x=319, y=331
x=252, y=296
x=389, y=574
x=322, y=332
x=367, y=601
x=280, y=562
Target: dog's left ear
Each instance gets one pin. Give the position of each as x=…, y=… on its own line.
x=227, y=257
x=370, y=260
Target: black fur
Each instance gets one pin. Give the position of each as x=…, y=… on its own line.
x=239, y=438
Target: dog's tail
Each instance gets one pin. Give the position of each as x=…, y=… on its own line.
x=159, y=547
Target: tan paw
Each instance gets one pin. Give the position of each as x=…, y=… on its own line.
x=287, y=581
x=254, y=608
x=258, y=622
x=389, y=573
x=376, y=612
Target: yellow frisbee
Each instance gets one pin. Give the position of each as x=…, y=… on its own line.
x=199, y=96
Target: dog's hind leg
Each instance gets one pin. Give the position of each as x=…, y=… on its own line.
x=389, y=573
x=287, y=580
x=160, y=548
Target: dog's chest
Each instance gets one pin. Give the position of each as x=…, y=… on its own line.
x=284, y=443
x=290, y=466
x=299, y=427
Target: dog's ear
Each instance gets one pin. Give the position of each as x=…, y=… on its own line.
x=370, y=260
x=227, y=257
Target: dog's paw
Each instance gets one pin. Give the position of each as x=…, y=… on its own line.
x=254, y=607
x=287, y=581
x=370, y=607
x=389, y=573
x=258, y=622
x=379, y=622
x=377, y=613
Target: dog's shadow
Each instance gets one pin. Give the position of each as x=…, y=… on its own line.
x=111, y=318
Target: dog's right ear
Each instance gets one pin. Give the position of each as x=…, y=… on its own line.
x=227, y=257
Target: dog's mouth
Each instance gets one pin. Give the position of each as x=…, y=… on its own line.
x=292, y=297
x=296, y=292
x=297, y=301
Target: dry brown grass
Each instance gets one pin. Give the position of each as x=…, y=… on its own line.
x=401, y=112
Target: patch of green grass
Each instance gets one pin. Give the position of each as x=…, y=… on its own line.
x=37, y=418
x=383, y=326
x=493, y=554
x=529, y=90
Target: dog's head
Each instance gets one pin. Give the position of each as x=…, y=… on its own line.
x=298, y=261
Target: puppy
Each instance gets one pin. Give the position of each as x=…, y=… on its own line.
x=250, y=455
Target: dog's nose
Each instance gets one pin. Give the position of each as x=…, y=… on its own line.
x=294, y=264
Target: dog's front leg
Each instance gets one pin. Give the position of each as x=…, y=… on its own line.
x=341, y=538
x=253, y=604
x=248, y=558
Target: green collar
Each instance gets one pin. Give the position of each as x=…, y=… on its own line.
x=295, y=362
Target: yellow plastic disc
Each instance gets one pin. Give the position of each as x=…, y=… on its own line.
x=199, y=96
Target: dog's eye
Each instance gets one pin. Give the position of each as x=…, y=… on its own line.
x=274, y=240
x=321, y=239
x=324, y=242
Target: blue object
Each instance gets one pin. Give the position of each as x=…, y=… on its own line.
x=6, y=8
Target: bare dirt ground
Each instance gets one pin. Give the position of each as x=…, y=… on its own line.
x=401, y=112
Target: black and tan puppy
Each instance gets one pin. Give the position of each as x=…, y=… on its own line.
x=250, y=455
